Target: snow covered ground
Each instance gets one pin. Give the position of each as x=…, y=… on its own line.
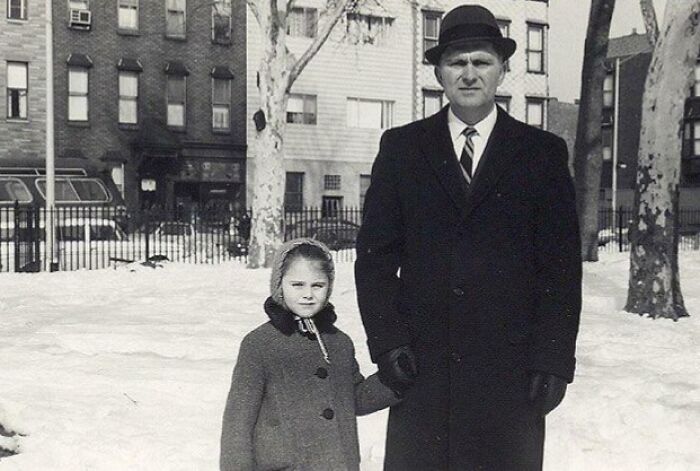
x=120, y=370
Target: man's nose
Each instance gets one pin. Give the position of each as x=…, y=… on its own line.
x=469, y=73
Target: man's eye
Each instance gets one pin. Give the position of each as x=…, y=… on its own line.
x=295, y=284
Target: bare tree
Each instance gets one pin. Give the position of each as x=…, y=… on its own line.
x=650, y=23
x=588, y=157
x=654, y=284
x=277, y=72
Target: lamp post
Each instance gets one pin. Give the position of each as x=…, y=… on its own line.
x=616, y=129
x=50, y=228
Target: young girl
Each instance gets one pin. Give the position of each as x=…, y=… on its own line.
x=296, y=386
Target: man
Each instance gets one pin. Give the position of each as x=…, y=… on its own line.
x=468, y=268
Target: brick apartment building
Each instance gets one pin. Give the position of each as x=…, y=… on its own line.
x=22, y=80
x=631, y=56
x=155, y=90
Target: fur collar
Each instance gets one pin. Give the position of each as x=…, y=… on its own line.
x=283, y=320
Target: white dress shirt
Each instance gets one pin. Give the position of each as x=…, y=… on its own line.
x=480, y=139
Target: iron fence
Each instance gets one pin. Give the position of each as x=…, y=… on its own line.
x=93, y=238
x=615, y=228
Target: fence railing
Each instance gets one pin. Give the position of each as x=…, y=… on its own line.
x=93, y=238
x=614, y=229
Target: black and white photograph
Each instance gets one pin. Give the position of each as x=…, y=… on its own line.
x=349, y=235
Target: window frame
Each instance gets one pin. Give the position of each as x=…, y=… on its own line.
x=22, y=10
x=130, y=5
x=72, y=93
x=532, y=100
x=23, y=105
x=297, y=194
x=310, y=28
x=332, y=182
x=429, y=42
x=362, y=35
x=529, y=51
x=307, y=118
x=127, y=98
x=695, y=138
x=386, y=119
x=609, y=90
x=168, y=30
x=215, y=104
x=428, y=93
x=168, y=102
x=214, y=8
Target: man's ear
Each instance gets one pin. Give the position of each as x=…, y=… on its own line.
x=438, y=76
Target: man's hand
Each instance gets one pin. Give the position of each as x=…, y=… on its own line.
x=546, y=391
x=397, y=369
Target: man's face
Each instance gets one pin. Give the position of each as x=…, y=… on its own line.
x=470, y=74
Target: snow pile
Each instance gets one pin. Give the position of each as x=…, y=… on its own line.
x=115, y=370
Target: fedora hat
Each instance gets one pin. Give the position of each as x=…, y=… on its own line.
x=469, y=23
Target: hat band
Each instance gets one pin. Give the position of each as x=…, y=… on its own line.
x=477, y=31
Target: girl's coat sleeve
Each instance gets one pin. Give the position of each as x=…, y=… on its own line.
x=370, y=394
x=241, y=413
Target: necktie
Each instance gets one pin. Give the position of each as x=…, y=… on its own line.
x=467, y=158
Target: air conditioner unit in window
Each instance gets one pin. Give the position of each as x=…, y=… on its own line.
x=80, y=19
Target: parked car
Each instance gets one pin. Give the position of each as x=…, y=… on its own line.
x=336, y=233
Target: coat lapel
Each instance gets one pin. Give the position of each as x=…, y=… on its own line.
x=504, y=144
x=436, y=145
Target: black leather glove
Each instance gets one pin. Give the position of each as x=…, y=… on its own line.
x=546, y=391
x=397, y=369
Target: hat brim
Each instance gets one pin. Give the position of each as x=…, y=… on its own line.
x=505, y=46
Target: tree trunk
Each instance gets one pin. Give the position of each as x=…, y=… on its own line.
x=588, y=157
x=654, y=285
x=268, y=190
x=278, y=71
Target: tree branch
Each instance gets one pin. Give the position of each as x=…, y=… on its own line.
x=253, y=5
x=326, y=21
x=650, y=23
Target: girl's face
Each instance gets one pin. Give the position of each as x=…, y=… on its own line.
x=304, y=287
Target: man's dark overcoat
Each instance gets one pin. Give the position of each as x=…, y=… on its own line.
x=483, y=281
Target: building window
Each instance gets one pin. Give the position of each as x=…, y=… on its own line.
x=370, y=114
x=301, y=109
x=535, y=48
x=17, y=9
x=17, y=90
x=535, y=112
x=431, y=29
x=175, y=21
x=696, y=84
x=220, y=104
x=503, y=102
x=608, y=90
x=368, y=29
x=364, y=186
x=331, y=182
x=331, y=206
x=77, y=94
x=606, y=141
x=302, y=22
x=128, y=15
x=177, y=86
x=696, y=138
x=504, y=26
x=221, y=22
x=128, y=97
x=294, y=191
x=432, y=102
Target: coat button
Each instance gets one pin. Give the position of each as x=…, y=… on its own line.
x=458, y=291
x=455, y=357
x=322, y=373
x=328, y=414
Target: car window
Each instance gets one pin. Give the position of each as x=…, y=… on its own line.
x=14, y=189
x=65, y=193
x=90, y=189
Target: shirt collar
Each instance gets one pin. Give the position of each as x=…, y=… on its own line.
x=483, y=127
